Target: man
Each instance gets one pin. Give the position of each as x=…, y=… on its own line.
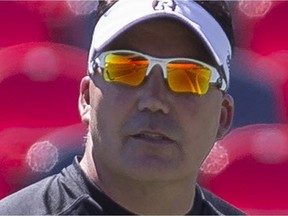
x=155, y=101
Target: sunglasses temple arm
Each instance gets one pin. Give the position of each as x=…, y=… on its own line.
x=222, y=81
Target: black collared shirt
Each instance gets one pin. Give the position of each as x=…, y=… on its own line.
x=71, y=193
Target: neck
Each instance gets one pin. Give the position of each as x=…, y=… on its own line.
x=143, y=197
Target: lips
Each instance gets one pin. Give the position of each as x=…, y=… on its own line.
x=149, y=136
x=155, y=128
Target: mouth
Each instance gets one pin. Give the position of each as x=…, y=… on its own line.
x=152, y=137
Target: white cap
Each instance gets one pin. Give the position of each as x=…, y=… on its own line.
x=126, y=13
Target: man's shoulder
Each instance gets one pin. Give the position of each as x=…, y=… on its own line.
x=52, y=195
x=216, y=205
x=29, y=200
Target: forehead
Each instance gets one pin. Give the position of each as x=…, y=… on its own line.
x=168, y=35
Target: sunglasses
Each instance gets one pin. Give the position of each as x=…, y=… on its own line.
x=183, y=75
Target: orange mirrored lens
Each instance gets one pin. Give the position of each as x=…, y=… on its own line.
x=188, y=77
x=125, y=68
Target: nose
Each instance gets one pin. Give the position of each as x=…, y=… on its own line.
x=154, y=94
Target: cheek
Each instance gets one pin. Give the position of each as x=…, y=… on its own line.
x=110, y=107
x=110, y=110
x=201, y=127
x=201, y=117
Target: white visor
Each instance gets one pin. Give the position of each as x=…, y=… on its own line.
x=126, y=13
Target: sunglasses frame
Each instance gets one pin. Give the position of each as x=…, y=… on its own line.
x=215, y=78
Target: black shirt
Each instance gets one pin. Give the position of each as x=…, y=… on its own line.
x=71, y=193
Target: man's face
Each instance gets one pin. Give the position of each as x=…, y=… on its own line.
x=149, y=132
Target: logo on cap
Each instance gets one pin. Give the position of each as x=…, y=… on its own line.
x=167, y=5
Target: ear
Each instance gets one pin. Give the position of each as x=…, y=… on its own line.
x=226, y=117
x=84, y=100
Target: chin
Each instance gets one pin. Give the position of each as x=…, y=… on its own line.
x=155, y=169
